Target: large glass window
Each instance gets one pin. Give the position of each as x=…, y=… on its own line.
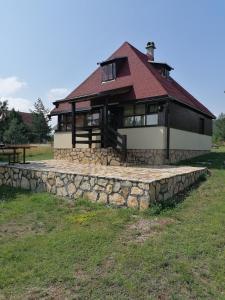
x=140, y=115
x=152, y=119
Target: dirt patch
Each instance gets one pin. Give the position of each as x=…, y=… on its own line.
x=13, y=229
x=50, y=293
x=142, y=229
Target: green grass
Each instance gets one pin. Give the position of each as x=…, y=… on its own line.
x=53, y=249
x=35, y=153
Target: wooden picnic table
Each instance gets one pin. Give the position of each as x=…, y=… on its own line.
x=14, y=148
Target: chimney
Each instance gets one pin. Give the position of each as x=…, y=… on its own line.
x=150, y=47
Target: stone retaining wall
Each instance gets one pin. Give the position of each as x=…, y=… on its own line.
x=158, y=156
x=97, y=156
x=119, y=192
x=100, y=156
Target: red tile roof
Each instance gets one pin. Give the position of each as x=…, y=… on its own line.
x=26, y=117
x=146, y=81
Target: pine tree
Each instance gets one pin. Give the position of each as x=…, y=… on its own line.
x=41, y=130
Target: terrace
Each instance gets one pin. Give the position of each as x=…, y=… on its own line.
x=134, y=187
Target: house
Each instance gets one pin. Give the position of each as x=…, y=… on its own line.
x=130, y=109
x=27, y=118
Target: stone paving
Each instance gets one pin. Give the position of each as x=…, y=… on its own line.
x=121, y=186
x=141, y=174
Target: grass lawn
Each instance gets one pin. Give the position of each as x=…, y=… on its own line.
x=35, y=153
x=53, y=249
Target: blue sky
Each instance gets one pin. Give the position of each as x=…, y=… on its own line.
x=48, y=47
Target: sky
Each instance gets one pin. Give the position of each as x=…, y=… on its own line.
x=48, y=47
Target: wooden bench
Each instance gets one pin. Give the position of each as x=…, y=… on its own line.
x=13, y=157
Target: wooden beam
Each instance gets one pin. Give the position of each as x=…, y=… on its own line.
x=105, y=124
x=168, y=130
x=73, y=124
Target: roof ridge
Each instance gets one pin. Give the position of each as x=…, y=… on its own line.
x=67, y=97
x=138, y=52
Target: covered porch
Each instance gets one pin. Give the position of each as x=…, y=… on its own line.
x=103, y=121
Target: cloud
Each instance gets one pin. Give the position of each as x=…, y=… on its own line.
x=18, y=103
x=57, y=94
x=10, y=85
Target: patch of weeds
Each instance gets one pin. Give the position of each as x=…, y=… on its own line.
x=82, y=218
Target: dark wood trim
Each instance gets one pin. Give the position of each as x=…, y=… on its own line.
x=105, y=123
x=73, y=124
x=191, y=108
x=168, y=130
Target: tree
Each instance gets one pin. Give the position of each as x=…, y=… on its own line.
x=219, y=128
x=16, y=132
x=41, y=130
x=3, y=117
x=3, y=110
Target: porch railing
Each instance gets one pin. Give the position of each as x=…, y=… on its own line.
x=108, y=137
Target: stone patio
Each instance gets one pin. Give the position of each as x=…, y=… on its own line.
x=121, y=186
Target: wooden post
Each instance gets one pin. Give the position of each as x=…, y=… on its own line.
x=74, y=124
x=105, y=123
x=168, y=130
x=90, y=137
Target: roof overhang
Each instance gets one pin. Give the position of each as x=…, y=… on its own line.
x=212, y=116
x=119, y=91
x=168, y=67
x=112, y=60
x=65, y=111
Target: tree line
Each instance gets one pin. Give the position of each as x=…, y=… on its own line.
x=13, y=130
x=219, y=129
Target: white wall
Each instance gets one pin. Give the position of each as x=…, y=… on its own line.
x=64, y=140
x=145, y=137
x=180, y=139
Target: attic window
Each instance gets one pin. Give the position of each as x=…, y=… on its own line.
x=108, y=72
x=165, y=73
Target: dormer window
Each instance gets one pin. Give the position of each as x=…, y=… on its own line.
x=110, y=68
x=108, y=72
x=165, y=73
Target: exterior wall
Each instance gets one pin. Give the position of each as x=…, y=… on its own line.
x=180, y=139
x=117, y=192
x=184, y=118
x=63, y=140
x=145, y=137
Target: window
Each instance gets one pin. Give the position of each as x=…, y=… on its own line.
x=139, y=121
x=201, y=126
x=129, y=121
x=152, y=114
x=64, y=122
x=80, y=120
x=152, y=119
x=165, y=73
x=108, y=72
x=140, y=115
x=129, y=110
x=93, y=119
